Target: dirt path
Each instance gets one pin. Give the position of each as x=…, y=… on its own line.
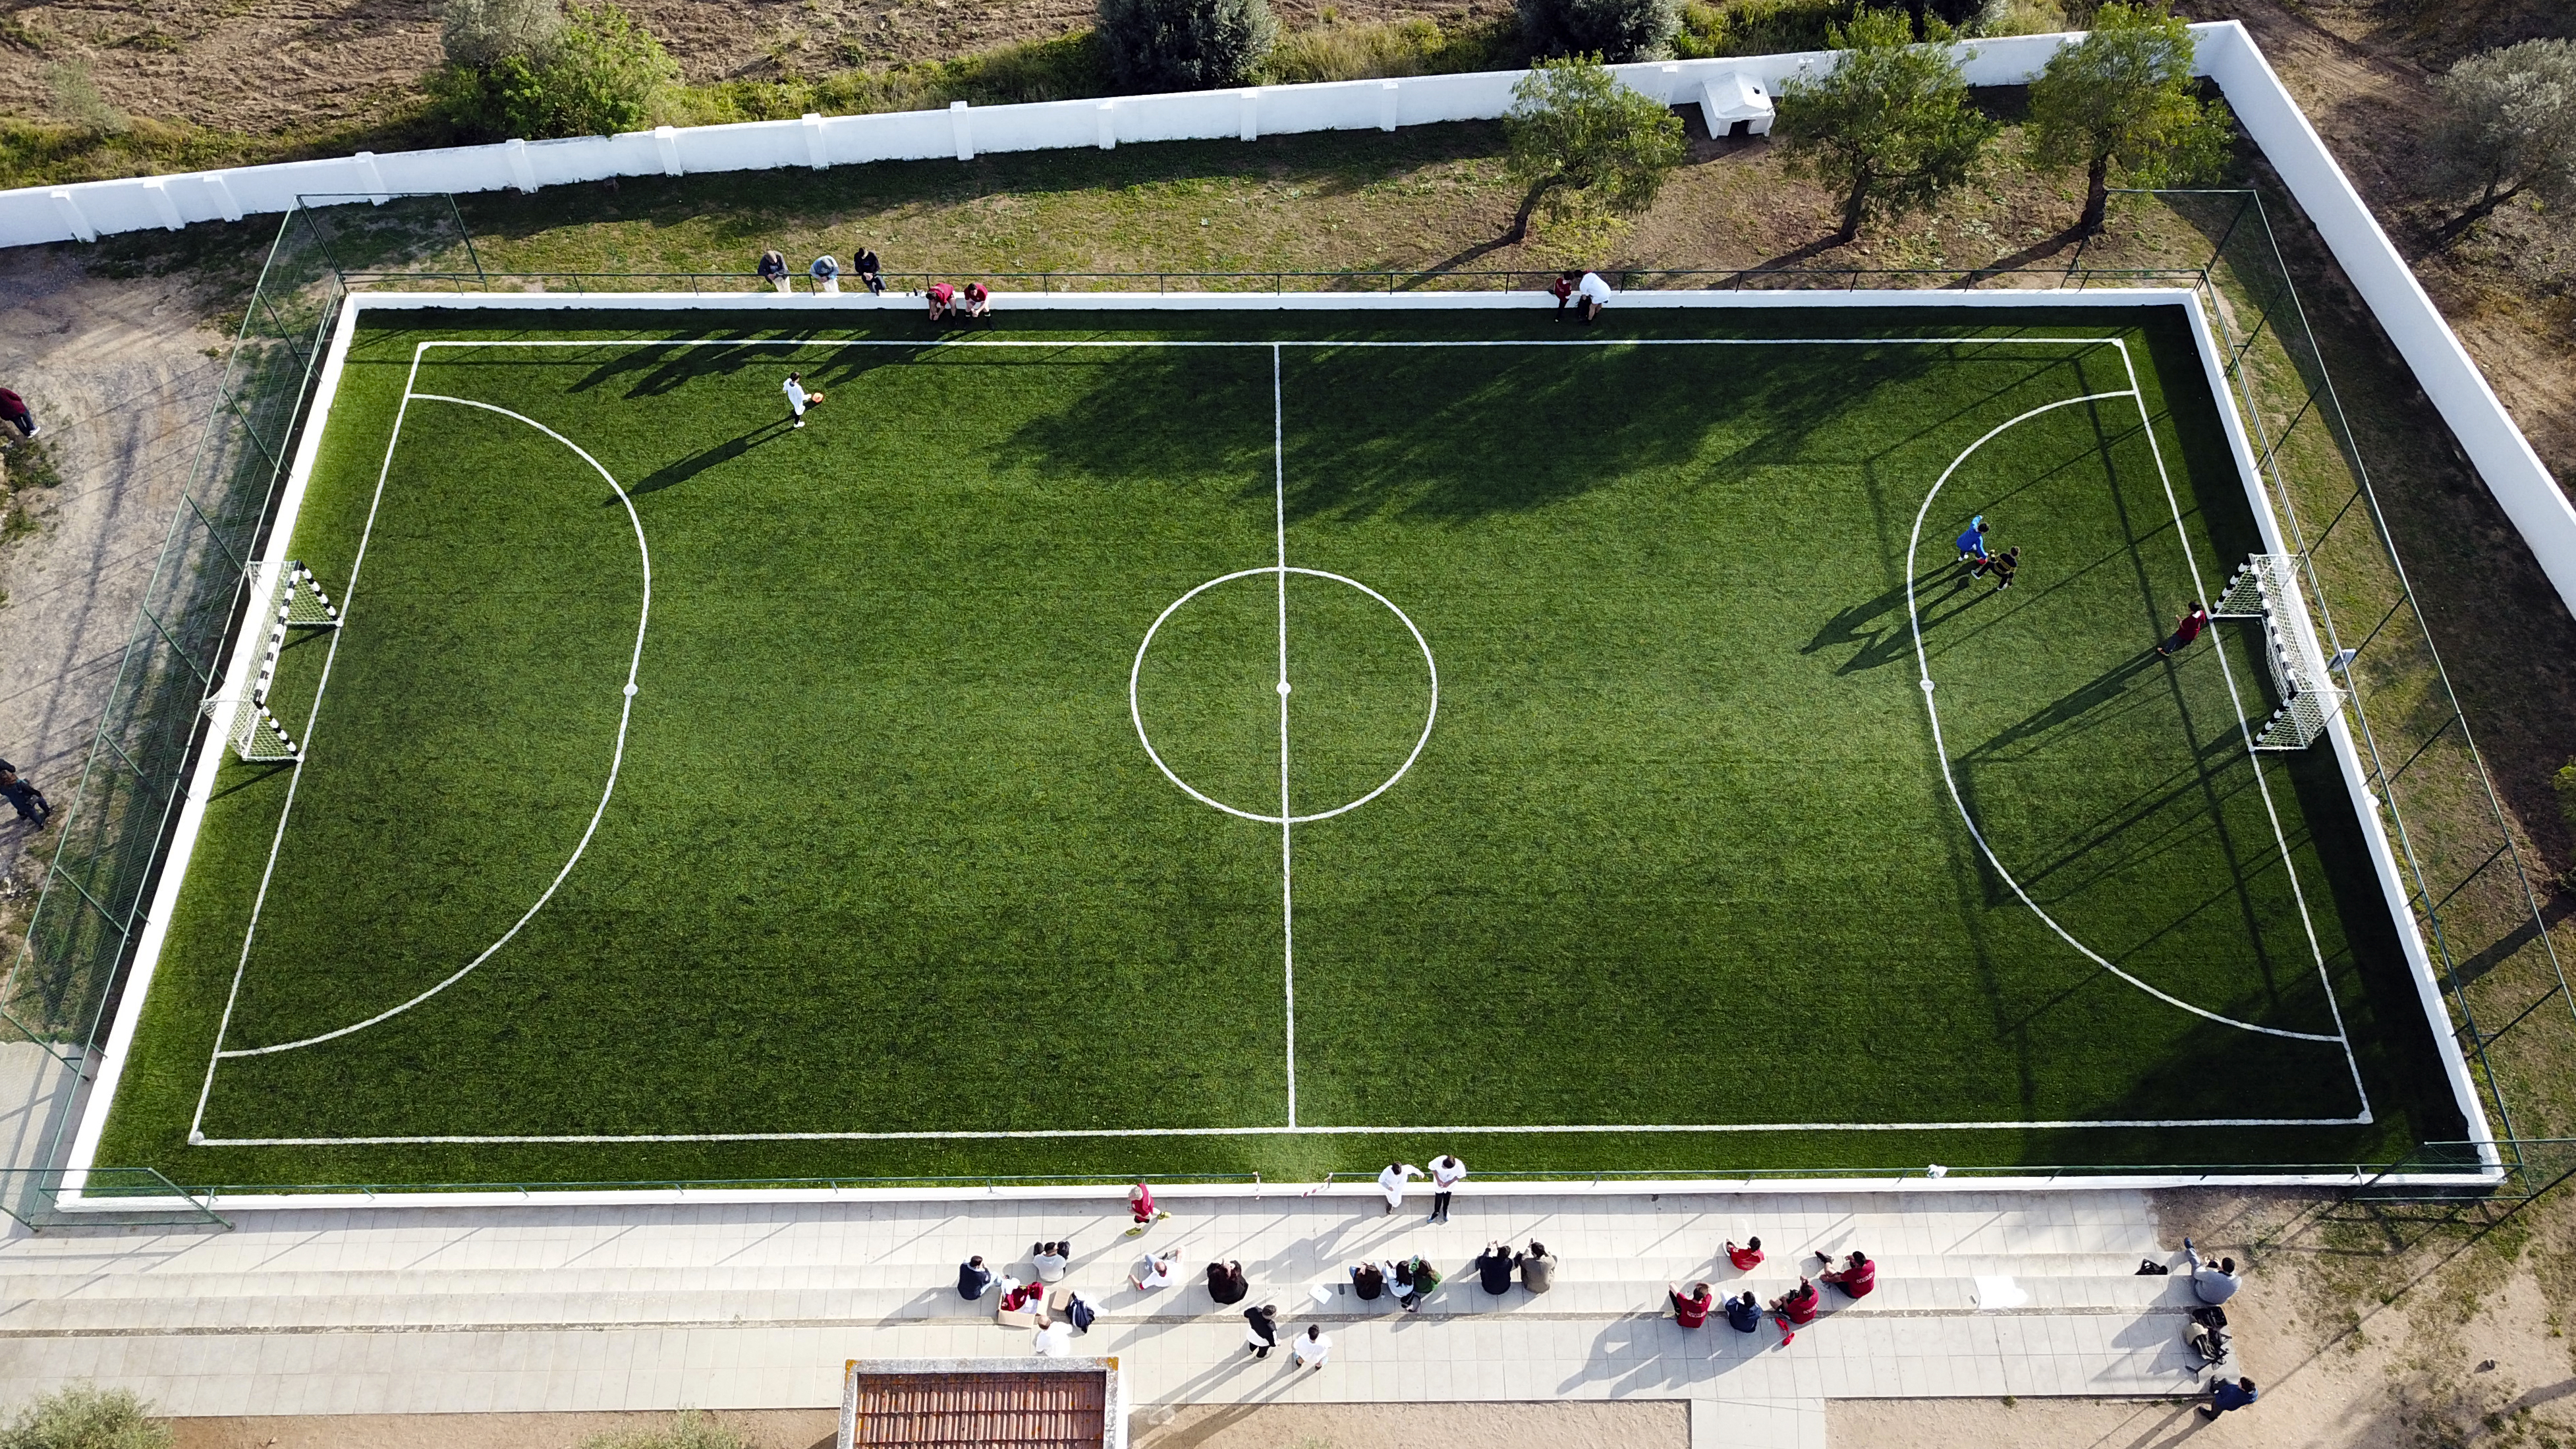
x=118, y=376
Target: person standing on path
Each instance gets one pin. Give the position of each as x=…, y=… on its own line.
x=798, y=399
x=13, y=411
x=2225, y=1397
x=1261, y=1329
x=1392, y=1181
x=2211, y=1282
x=1140, y=1205
x=30, y=801
x=2194, y=620
x=773, y=269
x=865, y=264
x=1446, y=1173
x=1313, y=1349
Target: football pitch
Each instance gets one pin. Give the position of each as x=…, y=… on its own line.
x=1218, y=742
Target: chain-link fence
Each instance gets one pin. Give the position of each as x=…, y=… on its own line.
x=2463, y=865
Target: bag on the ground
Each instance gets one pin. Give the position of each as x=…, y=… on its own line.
x=1079, y=1314
x=2210, y=1316
x=2207, y=1342
x=2150, y=1268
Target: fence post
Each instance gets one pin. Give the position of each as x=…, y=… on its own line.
x=962, y=126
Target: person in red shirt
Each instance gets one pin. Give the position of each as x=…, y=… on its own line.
x=943, y=301
x=1794, y=1310
x=1856, y=1277
x=13, y=411
x=1691, y=1312
x=1746, y=1258
x=979, y=303
x=2186, y=631
x=1140, y=1204
x=1563, y=291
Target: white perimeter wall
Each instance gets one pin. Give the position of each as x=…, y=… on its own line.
x=2521, y=483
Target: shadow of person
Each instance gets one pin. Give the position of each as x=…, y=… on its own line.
x=699, y=462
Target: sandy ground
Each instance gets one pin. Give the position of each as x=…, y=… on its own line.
x=765, y=1428
x=118, y=377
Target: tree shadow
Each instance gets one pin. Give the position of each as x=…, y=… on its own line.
x=2048, y=246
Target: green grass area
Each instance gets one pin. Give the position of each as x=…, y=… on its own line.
x=885, y=853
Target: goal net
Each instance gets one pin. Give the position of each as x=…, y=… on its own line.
x=294, y=600
x=2266, y=587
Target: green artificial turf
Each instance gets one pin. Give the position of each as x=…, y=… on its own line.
x=884, y=852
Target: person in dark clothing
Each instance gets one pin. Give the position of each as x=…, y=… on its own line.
x=1226, y=1283
x=1420, y=1281
x=2224, y=1397
x=2000, y=565
x=2193, y=621
x=1368, y=1280
x=773, y=269
x=1538, y=1268
x=1744, y=1314
x=1261, y=1329
x=865, y=264
x=13, y=411
x=973, y=1278
x=29, y=800
x=1494, y=1267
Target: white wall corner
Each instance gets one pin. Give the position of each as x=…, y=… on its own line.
x=666, y=140
x=1389, y=93
x=164, y=206
x=522, y=175
x=371, y=181
x=69, y=210
x=815, y=155
x=227, y=205
x=1108, y=113
x=1252, y=115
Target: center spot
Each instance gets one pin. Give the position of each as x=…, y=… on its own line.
x=1360, y=693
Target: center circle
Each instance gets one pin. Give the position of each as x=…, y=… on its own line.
x=1136, y=712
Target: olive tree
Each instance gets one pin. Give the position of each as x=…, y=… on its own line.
x=2121, y=101
x=1889, y=125
x=1185, y=45
x=2510, y=130
x=1582, y=141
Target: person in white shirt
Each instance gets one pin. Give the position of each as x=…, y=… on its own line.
x=1156, y=1270
x=1392, y=1181
x=1054, y=1340
x=1313, y=1349
x=1446, y=1173
x=1050, y=1259
x=798, y=399
x=1590, y=296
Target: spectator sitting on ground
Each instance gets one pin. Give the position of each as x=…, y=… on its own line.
x=2213, y=1282
x=973, y=1278
x=979, y=303
x=1798, y=1305
x=1049, y=1261
x=1494, y=1267
x=1368, y=1280
x=1855, y=1277
x=1538, y=1268
x=1743, y=1314
x=1690, y=1311
x=827, y=275
x=1156, y=1270
x=773, y=269
x=1746, y=1258
x=943, y=301
x=1226, y=1283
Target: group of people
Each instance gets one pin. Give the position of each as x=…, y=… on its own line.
x=826, y=272
x=1583, y=294
x=1979, y=561
x=1792, y=1310
x=1446, y=1173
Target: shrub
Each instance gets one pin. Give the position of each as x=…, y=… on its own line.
x=1185, y=45
x=1609, y=30
x=1757, y=27
x=84, y=1417
x=1889, y=125
x=1333, y=52
x=77, y=100
x=2510, y=129
x=1583, y=142
x=600, y=74
x=480, y=34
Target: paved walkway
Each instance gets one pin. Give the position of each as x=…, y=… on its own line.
x=549, y=1308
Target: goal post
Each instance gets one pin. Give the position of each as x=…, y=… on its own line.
x=2266, y=587
x=291, y=599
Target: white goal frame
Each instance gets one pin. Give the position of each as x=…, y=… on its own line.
x=699, y=311
x=2266, y=587
x=294, y=600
